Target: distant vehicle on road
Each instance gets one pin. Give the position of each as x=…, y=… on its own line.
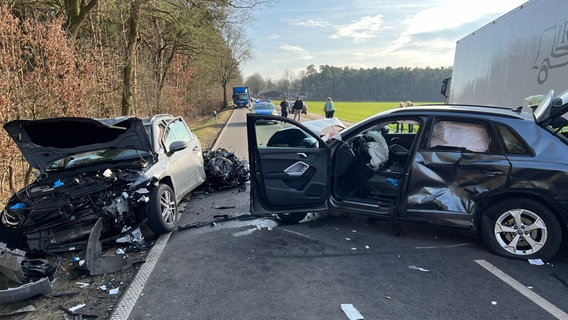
x=264, y=107
x=241, y=97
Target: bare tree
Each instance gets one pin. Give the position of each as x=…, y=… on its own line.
x=229, y=57
x=255, y=83
x=77, y=11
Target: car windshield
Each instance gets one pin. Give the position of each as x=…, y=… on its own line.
x=93, y=157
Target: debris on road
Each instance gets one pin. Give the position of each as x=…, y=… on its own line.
x=418, y=268
x=223, y=169
x=351, y=312
x=536, y=262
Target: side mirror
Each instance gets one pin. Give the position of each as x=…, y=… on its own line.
x=177, y=146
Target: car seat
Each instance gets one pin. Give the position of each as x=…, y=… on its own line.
x=385, y=181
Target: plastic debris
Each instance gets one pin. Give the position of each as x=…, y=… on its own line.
x=120, y=251
x=113, y=291
x=418, y=268
x=223, y=169
x=351, y=312
x=26, y=291
x=77, y=307
x=536, y=262
x=103, y=287
x=82, y=284
x=494, y=303
x=135, y=236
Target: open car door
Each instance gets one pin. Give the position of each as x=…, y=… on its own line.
x=289, y=166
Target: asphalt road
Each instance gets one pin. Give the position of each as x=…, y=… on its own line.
x=260, y=269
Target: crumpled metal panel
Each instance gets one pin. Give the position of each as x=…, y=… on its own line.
x=451, y=181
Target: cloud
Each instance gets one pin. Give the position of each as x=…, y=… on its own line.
x=302, y=53
x=448, y=15
x=360, y=31
x=310, y=23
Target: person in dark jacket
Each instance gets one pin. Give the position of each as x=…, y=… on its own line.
x=284, y=107
x=298, y=106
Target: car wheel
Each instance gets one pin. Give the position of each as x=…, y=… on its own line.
x=521, y=228
x=162, y=213
x=292, y=218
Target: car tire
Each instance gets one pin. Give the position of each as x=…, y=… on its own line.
x=502, y=222
x=293, y=217
x=162, y=213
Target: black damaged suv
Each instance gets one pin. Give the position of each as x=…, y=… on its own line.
x=502, y=172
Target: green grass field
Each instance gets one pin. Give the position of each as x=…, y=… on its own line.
x=355, y=111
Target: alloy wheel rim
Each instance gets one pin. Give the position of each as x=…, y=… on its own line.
x=520, y=232
x=168, y=208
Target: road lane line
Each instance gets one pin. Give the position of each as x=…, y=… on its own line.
x=351, y=312
x=128, y=299
x=540, y=301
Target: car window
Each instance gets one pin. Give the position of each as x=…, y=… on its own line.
x=512, y=142
x=283, y=135
x=460, y=135
x=177, y=131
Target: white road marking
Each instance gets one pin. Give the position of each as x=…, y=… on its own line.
x=540, y=301
x=128, y=299
x=351, y=312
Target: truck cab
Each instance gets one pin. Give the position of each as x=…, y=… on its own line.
x=241, y=97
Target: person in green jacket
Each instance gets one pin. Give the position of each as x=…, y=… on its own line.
x=328, y=108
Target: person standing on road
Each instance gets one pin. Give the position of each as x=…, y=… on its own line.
x=284, y=107
x=328, y=108
x=298, y=106
x=399, y=125
x=410, y=126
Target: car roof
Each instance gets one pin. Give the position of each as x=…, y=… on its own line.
x=463, y=109
x=155, y=118
x=449, y=110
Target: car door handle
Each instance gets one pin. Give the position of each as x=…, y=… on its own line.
x=297, y=169
x=302, y=155
x=195, y=148
x=493, y=173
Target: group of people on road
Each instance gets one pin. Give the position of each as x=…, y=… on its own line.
x=400, y=124
x=300, y=107
x=297, y=108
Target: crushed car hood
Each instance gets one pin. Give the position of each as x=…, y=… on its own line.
x=46, y=140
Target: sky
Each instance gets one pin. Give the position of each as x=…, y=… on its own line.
x=290, y=35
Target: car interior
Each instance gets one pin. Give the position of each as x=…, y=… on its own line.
x=370, y=166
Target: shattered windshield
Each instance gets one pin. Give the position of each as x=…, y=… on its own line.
x=95, y=157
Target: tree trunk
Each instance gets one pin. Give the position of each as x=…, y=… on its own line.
x=128, y=81
x=77, y=12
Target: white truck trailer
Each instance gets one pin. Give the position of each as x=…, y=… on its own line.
x=521, y=53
